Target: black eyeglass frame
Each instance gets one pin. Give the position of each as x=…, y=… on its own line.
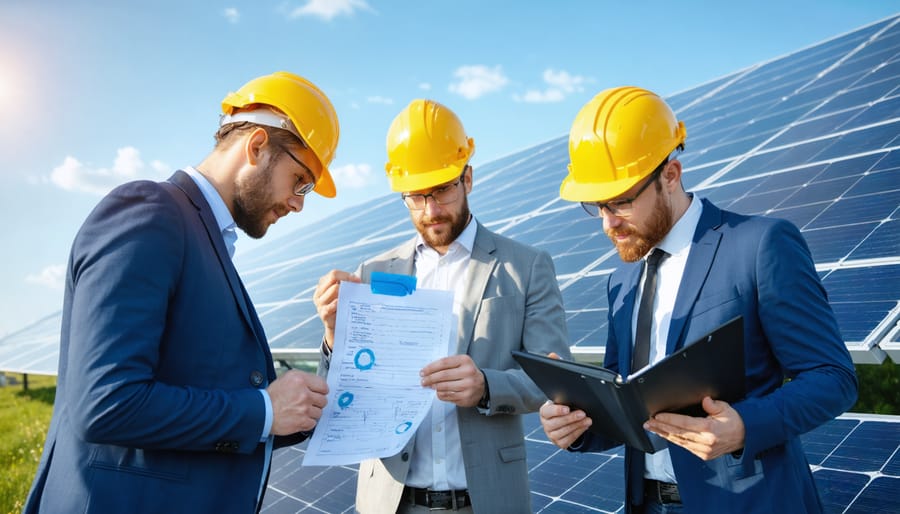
x=622, y=207
x=409, y=198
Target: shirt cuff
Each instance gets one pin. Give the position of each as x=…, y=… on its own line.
x=267, y=427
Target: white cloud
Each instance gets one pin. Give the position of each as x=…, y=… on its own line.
x=562, y=79
x=231, y=14
x=51, y=276
x=72, y=175
x=560, y=84
x=425, y=86
x=328, y=9
x=380, y=100
x=352, y=175
x=476, y=81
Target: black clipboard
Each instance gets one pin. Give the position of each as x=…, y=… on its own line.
x=710, y=366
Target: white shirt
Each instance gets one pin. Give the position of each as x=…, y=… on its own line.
x=677, y=244
x=442, y=467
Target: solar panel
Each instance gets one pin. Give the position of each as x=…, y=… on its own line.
x=855, y=460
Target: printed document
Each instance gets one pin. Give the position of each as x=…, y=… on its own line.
x=375, y=399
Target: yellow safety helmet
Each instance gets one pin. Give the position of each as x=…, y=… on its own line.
x=311, y=117
x=426, y=146
x=617, y=139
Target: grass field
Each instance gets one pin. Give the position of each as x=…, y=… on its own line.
x=24, y=418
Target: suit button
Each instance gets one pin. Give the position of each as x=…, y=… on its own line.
x=405, y=456
x=256, y=378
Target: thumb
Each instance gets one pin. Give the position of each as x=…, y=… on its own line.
x=553, y=355
x=713, y=407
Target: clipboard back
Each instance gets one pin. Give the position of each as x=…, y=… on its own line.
x=597, y=391
x=710, y=366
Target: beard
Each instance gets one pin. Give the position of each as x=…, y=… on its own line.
x=657, y=226
x=253, y=203
x=457, y=221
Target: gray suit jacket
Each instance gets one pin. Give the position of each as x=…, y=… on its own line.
x=512, y=303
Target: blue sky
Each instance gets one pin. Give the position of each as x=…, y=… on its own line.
x=95, y=93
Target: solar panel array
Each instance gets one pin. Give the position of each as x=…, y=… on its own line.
x=813, y=137
x=855, y=461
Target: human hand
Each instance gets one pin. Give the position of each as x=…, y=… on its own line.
x=721, y=432
x=297, y=401
x=326, y=298
x=455, y=379
x=563, y=426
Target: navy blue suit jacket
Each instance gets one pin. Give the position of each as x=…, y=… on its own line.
x=161, y=358
x=759, y=268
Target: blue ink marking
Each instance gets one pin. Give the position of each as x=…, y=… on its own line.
x=359, y=357
x=345, y=400
x=403, y=427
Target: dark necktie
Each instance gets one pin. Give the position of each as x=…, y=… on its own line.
x=645, y=312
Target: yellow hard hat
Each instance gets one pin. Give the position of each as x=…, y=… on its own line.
x=426, y=146
x=618, y=138
x=311, y=117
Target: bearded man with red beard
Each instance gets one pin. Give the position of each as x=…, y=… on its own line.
x=691, y=267
x=469, y=453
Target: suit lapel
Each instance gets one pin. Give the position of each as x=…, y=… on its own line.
x=404, y=260
x=481, y=267
x=186, y=184
x=696, y=270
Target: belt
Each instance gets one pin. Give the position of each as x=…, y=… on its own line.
x=661, y=492
x=437, y=500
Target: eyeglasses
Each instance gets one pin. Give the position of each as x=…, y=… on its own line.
x=442, y=195
x=301, y=187
x=621, y=207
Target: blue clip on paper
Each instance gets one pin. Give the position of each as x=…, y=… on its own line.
x=392, y=284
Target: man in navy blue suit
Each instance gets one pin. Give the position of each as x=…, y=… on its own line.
x=167, y=398
x=705, y=266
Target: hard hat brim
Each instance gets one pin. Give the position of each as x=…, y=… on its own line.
x=420, y=181
x=573, y=191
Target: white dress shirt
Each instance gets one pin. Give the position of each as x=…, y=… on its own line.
x=437, y=460
x=677, y=244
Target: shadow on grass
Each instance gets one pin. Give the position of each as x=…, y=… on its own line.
x=40, y=394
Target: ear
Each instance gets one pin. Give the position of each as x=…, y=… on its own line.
x=671, y=175
x=467, y=179
x=253, y=147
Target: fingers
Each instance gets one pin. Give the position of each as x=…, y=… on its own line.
x=297, y=401
x=455, y=379
x=561, y=425
x=325, y=297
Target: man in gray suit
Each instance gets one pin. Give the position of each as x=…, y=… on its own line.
x=469, y=453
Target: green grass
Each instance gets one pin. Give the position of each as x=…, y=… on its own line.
x=24, y=418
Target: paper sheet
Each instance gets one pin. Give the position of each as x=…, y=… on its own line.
x=375, y=400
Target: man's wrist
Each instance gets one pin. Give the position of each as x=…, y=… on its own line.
x=485, y=401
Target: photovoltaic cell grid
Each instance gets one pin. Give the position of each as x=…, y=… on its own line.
x=813, y=137
x=855, y=461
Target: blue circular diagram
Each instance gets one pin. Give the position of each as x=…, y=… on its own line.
x=364, y=359
x=345, y=400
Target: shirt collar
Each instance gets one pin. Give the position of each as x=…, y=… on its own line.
x=682, y=233
x=466, y=239
x=223, y=216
